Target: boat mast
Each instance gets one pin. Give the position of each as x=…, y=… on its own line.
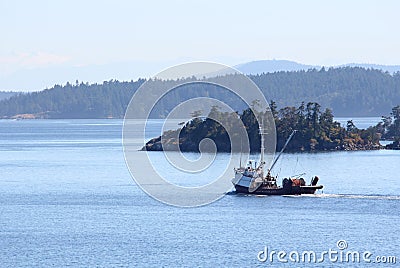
x=262, y=133
x=241, y=151
x=262, y=143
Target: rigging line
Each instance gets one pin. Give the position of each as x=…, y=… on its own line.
x=299, y=175
x=301, y=166
x=279, y=172
x=295, y=166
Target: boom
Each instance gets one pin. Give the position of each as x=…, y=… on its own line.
x=283, y=149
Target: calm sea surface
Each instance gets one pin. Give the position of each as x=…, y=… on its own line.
x=67, y=199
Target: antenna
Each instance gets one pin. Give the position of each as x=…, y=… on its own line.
x=241, y=151
x=262, y=133
x=262, y=142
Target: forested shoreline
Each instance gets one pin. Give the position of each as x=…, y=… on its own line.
x=316, y=131
x=347, y=91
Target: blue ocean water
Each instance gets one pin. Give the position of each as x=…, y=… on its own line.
x=67, y=199
x=359, y=122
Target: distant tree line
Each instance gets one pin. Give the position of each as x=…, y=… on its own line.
x=7, y=94
x=347, y=91
x=79, y=100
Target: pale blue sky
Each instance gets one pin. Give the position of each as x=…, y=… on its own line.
x=44, y=40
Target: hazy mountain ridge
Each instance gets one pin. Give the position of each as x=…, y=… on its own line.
x=272, y=66
x=41, y=78
x=385, y=68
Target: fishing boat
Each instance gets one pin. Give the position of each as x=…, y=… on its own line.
x=252, y=180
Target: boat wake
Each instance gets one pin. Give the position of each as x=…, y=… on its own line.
x=346, y=196
x=352, y=196
x=349, y=196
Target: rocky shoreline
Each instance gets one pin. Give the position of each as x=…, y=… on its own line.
x=316, y=132
x=186, y=145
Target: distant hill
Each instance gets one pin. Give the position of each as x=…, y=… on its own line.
x=272, y=66
x=106, y=100
x=348, y=91
x=40, y=78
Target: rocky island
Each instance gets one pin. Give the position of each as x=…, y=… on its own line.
x=316, y=131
